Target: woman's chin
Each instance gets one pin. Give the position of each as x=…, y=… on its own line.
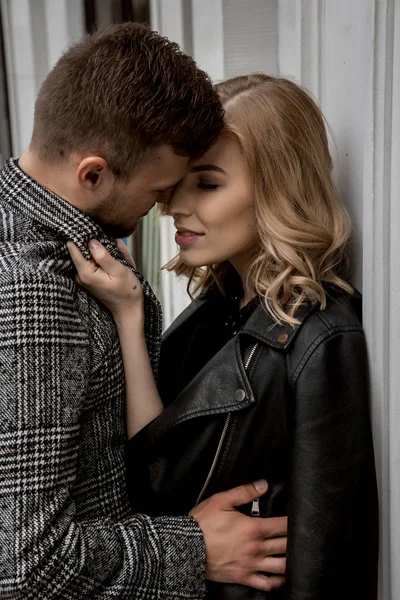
x=190, y=260
x=191, y=263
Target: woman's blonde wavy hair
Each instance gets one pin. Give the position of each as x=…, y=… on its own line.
x=302, y=226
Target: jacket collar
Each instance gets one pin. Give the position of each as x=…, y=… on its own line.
x=40, y=205
x=261, y=326
x=226, y=375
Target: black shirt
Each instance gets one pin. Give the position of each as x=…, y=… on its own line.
x=210, y=334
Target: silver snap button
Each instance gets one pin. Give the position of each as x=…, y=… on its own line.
x=240, y=395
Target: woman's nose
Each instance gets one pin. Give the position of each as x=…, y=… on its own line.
x=180, y=203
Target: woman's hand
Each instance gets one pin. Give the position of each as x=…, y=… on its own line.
x=121, y=292
x=110, y=282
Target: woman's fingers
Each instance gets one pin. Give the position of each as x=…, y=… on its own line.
x=76, y=255
x=100, y=258
x=85, y=268
x=114, y=284
x=104, y=259
x=127, y=255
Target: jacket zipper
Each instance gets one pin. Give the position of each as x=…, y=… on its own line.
x=223, y=435
x=255, y=508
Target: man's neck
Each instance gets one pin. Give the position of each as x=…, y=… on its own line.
x=47, y=175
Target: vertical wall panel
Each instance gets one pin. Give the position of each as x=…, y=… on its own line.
x=208, y=37
x=394, y=316
x=382, y=274
x=64, y=23
x=20, y=64
x=250, y=37
x=343, y=50
x=35, y=34
x=167, y=17
x=323, y=46
x=5, y=130
x=289, y=38
x=348, y=55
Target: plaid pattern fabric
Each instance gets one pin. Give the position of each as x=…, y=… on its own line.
x=65, y=526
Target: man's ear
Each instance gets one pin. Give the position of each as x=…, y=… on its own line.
x=93, y=172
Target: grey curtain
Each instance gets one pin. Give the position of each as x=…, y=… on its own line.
x=145, y=248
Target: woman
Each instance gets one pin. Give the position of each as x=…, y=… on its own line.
x=265, y=374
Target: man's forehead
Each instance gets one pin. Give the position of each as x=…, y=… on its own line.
x=165, y=168
x=164, y=158
x=166, y=154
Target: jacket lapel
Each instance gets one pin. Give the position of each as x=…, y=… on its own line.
x=220, y=387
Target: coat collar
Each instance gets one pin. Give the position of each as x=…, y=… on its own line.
x=40, y=205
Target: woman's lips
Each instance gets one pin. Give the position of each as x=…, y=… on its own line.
x=186, y=237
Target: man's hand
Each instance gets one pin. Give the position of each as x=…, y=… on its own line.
x=239, y=548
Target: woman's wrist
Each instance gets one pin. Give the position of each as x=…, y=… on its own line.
x=129, y=319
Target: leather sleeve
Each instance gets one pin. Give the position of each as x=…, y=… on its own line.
x=332, y=505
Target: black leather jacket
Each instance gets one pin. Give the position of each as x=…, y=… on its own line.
x=286, y=404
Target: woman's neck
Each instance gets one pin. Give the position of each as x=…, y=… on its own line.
x=241, y=265
x=246, y=298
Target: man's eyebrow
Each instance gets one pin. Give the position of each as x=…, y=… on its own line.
x=199, y=168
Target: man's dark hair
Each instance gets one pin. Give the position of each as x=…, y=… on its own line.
x=121, y=92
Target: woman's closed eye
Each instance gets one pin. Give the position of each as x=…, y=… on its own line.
x=207, y=186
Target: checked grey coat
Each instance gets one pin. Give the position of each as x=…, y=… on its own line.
x=66, y=530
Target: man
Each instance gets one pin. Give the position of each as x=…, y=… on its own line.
x=115, y=124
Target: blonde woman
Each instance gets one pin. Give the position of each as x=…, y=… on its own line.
x=265, y=374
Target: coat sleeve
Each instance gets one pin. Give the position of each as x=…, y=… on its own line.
x=332, y=502
x=46, y=550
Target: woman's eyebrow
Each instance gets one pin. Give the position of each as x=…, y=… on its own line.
x=199, y=168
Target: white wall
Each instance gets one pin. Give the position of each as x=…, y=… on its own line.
x=381, y=227
x=35, y=34
x=323, y=45
x=4, y=121
x=250, y=37
x=348, y=55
